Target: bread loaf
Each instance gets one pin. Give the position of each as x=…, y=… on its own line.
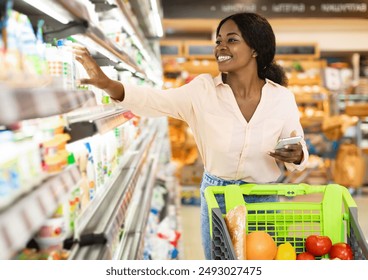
x=235, y=221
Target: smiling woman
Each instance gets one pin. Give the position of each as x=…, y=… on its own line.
x=231, y=49
x=231, y=115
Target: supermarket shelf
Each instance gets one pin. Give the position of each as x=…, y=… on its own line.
x=100, y=119
x=94, y=113
x=137, y=34
x=104, y=226
x=310, y=98
x=103, y=5
x=57, y=14
x=138, y=220
x=78, y=21
x=93, y=252
x=352, y=97
x=131, y=244
x=93, y=32
x=59, y=22
x=116, y=54
x=93, y=207
x=23, y=218
x=30, y=103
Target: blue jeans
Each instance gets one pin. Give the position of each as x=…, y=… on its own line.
x=211, y=180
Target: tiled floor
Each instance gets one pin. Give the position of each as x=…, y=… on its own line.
x=190, y=218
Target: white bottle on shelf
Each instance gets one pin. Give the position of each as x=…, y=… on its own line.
x=67, y=64
x=54, y=65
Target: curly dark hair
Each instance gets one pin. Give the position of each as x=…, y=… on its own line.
x=258, y=34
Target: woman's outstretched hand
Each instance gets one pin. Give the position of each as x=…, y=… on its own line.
x=97, y=77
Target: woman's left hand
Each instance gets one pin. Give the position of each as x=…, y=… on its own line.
x=292, y=153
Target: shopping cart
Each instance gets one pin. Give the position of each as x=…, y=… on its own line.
x=333, y=215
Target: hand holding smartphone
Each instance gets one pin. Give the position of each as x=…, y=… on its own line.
x=287, y=141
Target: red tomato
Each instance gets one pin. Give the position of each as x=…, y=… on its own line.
x=305, y=256
x=318, y=245
x=342, y=251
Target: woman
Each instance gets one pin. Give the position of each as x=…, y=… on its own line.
x=236, y=117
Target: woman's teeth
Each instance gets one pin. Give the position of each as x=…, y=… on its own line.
x=222, y=58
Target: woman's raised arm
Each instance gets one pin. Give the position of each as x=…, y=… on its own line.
x=97, y=77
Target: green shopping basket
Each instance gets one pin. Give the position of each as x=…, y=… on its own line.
x=335, y=215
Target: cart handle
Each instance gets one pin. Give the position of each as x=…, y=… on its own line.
x=288, y=190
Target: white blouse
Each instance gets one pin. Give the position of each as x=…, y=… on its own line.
x=231, y=148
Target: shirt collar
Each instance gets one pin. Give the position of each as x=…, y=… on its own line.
x=218, y=80
x=270, y=82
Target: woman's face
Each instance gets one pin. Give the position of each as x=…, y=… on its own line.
x=231, y=51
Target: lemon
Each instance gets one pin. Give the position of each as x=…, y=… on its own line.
x=285, y=251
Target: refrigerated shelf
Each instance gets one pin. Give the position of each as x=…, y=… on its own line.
x=86, y=122
x=102, y=227
x=132, y=243
x=30, y=103
x=71, y=18
x=20, y=221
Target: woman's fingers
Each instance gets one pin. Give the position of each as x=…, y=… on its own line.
x=290, y=153
x=96, y=76
x=81, y=53
x=79, y=47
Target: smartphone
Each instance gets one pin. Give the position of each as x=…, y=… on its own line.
x=287, y=141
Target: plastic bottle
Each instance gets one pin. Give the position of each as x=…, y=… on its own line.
x=32, y=48
x=42, y=66
x=12, y=59
x=54, y=64
x=67, y=65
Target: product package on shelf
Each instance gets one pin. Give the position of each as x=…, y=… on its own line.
x=48, y=242
x=22, y=54
x=20, y=168
x=83, y=158
x=162, y=235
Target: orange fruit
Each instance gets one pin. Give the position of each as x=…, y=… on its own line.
x=260, y=246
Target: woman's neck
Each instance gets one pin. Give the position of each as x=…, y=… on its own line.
x=244, y=85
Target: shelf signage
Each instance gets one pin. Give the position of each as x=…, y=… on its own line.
x=268, y=8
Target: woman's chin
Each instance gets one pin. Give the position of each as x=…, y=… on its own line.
x=223, y=68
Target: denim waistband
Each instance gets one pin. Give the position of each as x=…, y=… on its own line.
x=216, y=181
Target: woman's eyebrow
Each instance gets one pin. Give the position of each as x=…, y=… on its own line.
x=229, y=34
x=232, y=33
